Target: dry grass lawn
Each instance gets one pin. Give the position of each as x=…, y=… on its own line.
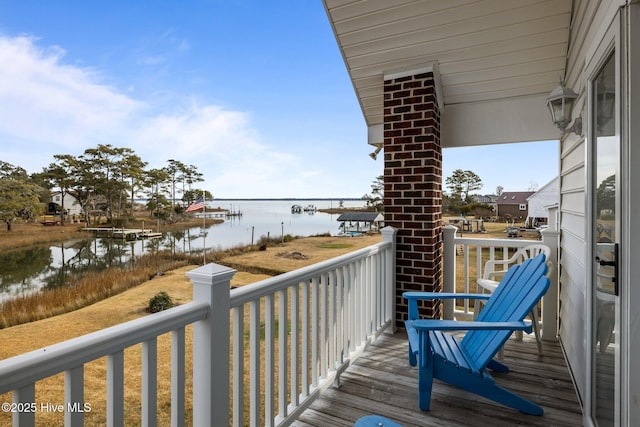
x=130, y=305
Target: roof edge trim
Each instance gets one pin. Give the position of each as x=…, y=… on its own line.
x=431, y=67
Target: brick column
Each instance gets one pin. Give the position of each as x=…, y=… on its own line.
x=413, y=186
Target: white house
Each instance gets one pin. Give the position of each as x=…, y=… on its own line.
x=539, y=202
x=71, y=204
x=434, y=74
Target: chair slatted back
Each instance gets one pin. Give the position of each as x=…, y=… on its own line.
x=519, y=291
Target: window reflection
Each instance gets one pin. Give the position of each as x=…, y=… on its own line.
x=606, y=155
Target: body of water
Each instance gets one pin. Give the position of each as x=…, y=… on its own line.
x=27, y=271
x=272, y=218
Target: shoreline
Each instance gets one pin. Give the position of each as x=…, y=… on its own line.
x=90, y=288
x=26, y=234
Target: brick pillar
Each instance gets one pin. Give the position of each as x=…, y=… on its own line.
x=413, y=186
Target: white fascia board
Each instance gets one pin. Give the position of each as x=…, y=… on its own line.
x=521, y=119
x=432, y=67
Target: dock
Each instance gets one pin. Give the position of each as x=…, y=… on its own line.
x=123, y=233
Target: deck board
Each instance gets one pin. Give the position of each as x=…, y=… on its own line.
x=382, y=382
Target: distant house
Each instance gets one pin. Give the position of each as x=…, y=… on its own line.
x=514, y=205
x=541, y=200
x=487, y=199
x=71, y=203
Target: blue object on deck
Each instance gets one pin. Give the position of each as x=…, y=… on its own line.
x=375, y=421
x=464, y=363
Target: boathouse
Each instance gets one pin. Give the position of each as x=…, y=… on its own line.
x=360, y=222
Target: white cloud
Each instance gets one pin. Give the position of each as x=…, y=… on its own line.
x=42, y=99
x=49, y=107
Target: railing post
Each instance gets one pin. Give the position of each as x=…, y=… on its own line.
x=389, y=235
x=211, y=346
x=449, y=269
x=550, y=300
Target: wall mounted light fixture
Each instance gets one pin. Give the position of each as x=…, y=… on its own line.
x=560, y=103
x=378, y=146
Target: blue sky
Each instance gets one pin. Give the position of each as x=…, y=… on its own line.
x=253, y=93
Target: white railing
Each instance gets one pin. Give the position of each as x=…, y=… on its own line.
x=20, y=374
x=474, y=253
x=316, y=319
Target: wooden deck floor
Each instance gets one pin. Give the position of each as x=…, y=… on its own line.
x=382, y=382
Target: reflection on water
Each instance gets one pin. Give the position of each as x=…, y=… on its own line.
x=27, y=271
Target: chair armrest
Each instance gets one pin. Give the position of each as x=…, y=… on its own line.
x=442, y=295
x=489, y=267
x=455, y=325
x=413, y=298
x=488, y=284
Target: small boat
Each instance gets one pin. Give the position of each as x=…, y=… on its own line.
x=296, y=209
x=310, y=208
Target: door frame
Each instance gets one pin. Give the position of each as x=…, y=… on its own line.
x=623, y=35
x=610, y=42
x=630, y=215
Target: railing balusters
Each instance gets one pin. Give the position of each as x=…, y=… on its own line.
x=331, y=317
x=492, y=247
x=466, y=276
x=269, y=360
x=254, y=364
x=305, y=338
x=294, y=346
x=24, y=395
x=238, y=366
x=115, y=389
x=340, y=315
x=366, y=266
x=378, y=292
x=315, y=320
x=360, y=300
x=323, y=326
x=353, y=307
x=74, y=397
x=149, y=383
x=177, y=377
x=346, y=310
x=283, y=353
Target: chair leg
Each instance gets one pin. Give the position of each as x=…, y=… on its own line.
x=536, y=329
x=412, y=357
x=512, y=400
x=486, y=387
x=425, y=384
x=496, y=366
x=425, y=373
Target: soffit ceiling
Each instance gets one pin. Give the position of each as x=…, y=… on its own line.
x=487, y=51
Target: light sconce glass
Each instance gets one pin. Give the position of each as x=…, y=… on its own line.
x=378, y=146
x=605, y=101
x=560, y=103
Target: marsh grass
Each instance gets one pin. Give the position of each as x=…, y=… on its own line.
x=88, y=288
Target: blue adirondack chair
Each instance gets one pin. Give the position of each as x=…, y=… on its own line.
x=464, y=362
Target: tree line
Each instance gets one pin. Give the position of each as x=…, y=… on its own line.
x=104, y=180
x=459, y=199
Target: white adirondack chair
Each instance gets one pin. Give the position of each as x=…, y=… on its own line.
x=495, y=269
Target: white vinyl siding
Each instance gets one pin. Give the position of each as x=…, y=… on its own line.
x=590, y=21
